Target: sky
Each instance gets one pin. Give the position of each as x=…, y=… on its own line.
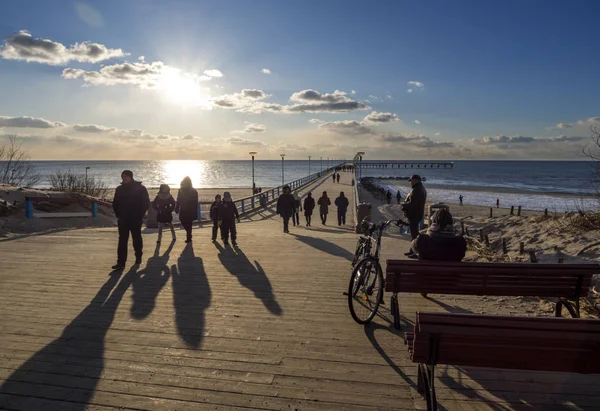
x=134, y=80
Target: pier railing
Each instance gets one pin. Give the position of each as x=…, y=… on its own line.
x=260, y=200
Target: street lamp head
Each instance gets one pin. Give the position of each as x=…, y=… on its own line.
x=252, y=153
x=282, y=155
x=361, y=153
x=87, y=168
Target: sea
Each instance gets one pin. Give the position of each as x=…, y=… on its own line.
x=556, y=185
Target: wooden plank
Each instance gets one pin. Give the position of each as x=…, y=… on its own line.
x=62, y=215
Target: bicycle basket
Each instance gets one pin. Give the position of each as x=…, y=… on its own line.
x=366, y=226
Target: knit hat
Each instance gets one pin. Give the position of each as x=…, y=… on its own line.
x=226, y=194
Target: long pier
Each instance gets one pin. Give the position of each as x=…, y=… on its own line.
x=405, y=164
x=202, y=327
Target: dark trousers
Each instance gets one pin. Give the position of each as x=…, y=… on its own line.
x=135, y=228
x=286, y=223
x=215, y=229
x=187, y=226
x=296, y=218
x=323, y=218
x=341, y=217
x=308, y=218
x=226, y=230
x=414, y=228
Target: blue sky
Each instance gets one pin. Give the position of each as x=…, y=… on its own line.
x=511, y=79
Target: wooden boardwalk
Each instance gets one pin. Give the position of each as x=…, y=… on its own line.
x=200, y=327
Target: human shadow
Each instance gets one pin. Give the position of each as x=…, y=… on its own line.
x=149, y=281
x=74, y=360
x=251, y=276
x=325, y=246
x=191, y=296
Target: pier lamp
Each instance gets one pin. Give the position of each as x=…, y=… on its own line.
x=282, y=175
x=321, y=164
x=360, y=155
x=86, y=178
x=253, y=153
x=309, y=165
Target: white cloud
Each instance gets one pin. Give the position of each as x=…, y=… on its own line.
x=417, y=122
x=91, y=128
x=352, y=92
x=255, y=128
x=346, y=126
x=436, y=134
x=376, y=117
x=238, y=141
x=409, y=90
x=28, y=122
x=265, y=71
x=141, y=58
x=144, y=75
x=22, y=46
x=213, y=73
x=389, y=96
x=416, y=84
x=508, y=140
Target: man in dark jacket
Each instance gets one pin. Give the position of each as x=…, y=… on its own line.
x=228, y=213
x=414, y=207
x=309, y=206
x=285, y=207
x=130, y=204
x=342, y=207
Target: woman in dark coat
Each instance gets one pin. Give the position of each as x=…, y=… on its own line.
x=324, y=203
x=214, y=216
x=187, y=206
x=164, y=204
x=309, y=206
x=285, y=207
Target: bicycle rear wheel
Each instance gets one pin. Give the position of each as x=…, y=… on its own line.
x=365, y=290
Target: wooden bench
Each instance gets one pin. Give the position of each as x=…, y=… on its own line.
x=563, y=281
x=518, y=343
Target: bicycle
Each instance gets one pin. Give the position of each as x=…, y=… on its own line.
x=366, y=281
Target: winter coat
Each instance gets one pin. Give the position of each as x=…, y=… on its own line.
x=131, y=202
x=187, y=205
x=309, y=206
x=342, y=204
x=286, y=205
x=228, y=213
x=324, y=203
x=214, y=210
x=414, y=206
x=164, y=206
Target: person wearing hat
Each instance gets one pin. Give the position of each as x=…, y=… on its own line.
x=130, y=203
x=187, y=206
x=440, y=243
x=285, y=207
x=414, y=207
x=214, y=216
x=164, y=204
x=228, y=213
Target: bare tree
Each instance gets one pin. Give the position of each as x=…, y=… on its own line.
x=70, y=182
x=15, y=167
x=592, y=151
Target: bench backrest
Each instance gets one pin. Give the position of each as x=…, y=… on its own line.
x=525, y=343
x=505, y=279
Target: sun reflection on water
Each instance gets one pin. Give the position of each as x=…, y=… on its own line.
x=175, y=170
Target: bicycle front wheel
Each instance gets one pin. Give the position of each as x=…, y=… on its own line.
x=365, y=290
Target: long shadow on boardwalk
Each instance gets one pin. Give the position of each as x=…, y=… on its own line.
x=325, y=246
x=149, y=282
x=50, y=370
x=191, y=296
x=250, y=276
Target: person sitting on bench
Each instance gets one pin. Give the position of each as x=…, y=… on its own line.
x=441, y=242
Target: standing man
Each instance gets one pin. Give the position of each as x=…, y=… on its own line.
x=398, y=196
x=497, y=203
x=338, y=178
x=388, y=196
x=285, y=207
x=460, y=198
x=414, y=208
x=334, y=174
x=342, y=204
x=130, y=204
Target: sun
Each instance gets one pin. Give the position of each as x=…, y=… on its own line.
x=183, y=89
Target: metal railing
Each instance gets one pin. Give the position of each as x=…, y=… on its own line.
x=257, y=201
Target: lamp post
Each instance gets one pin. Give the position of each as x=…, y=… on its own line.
x=309, y=165
x=282, y=175
x=321, y=164
x=12, y=175
x=253, y=153
x=360, y=154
